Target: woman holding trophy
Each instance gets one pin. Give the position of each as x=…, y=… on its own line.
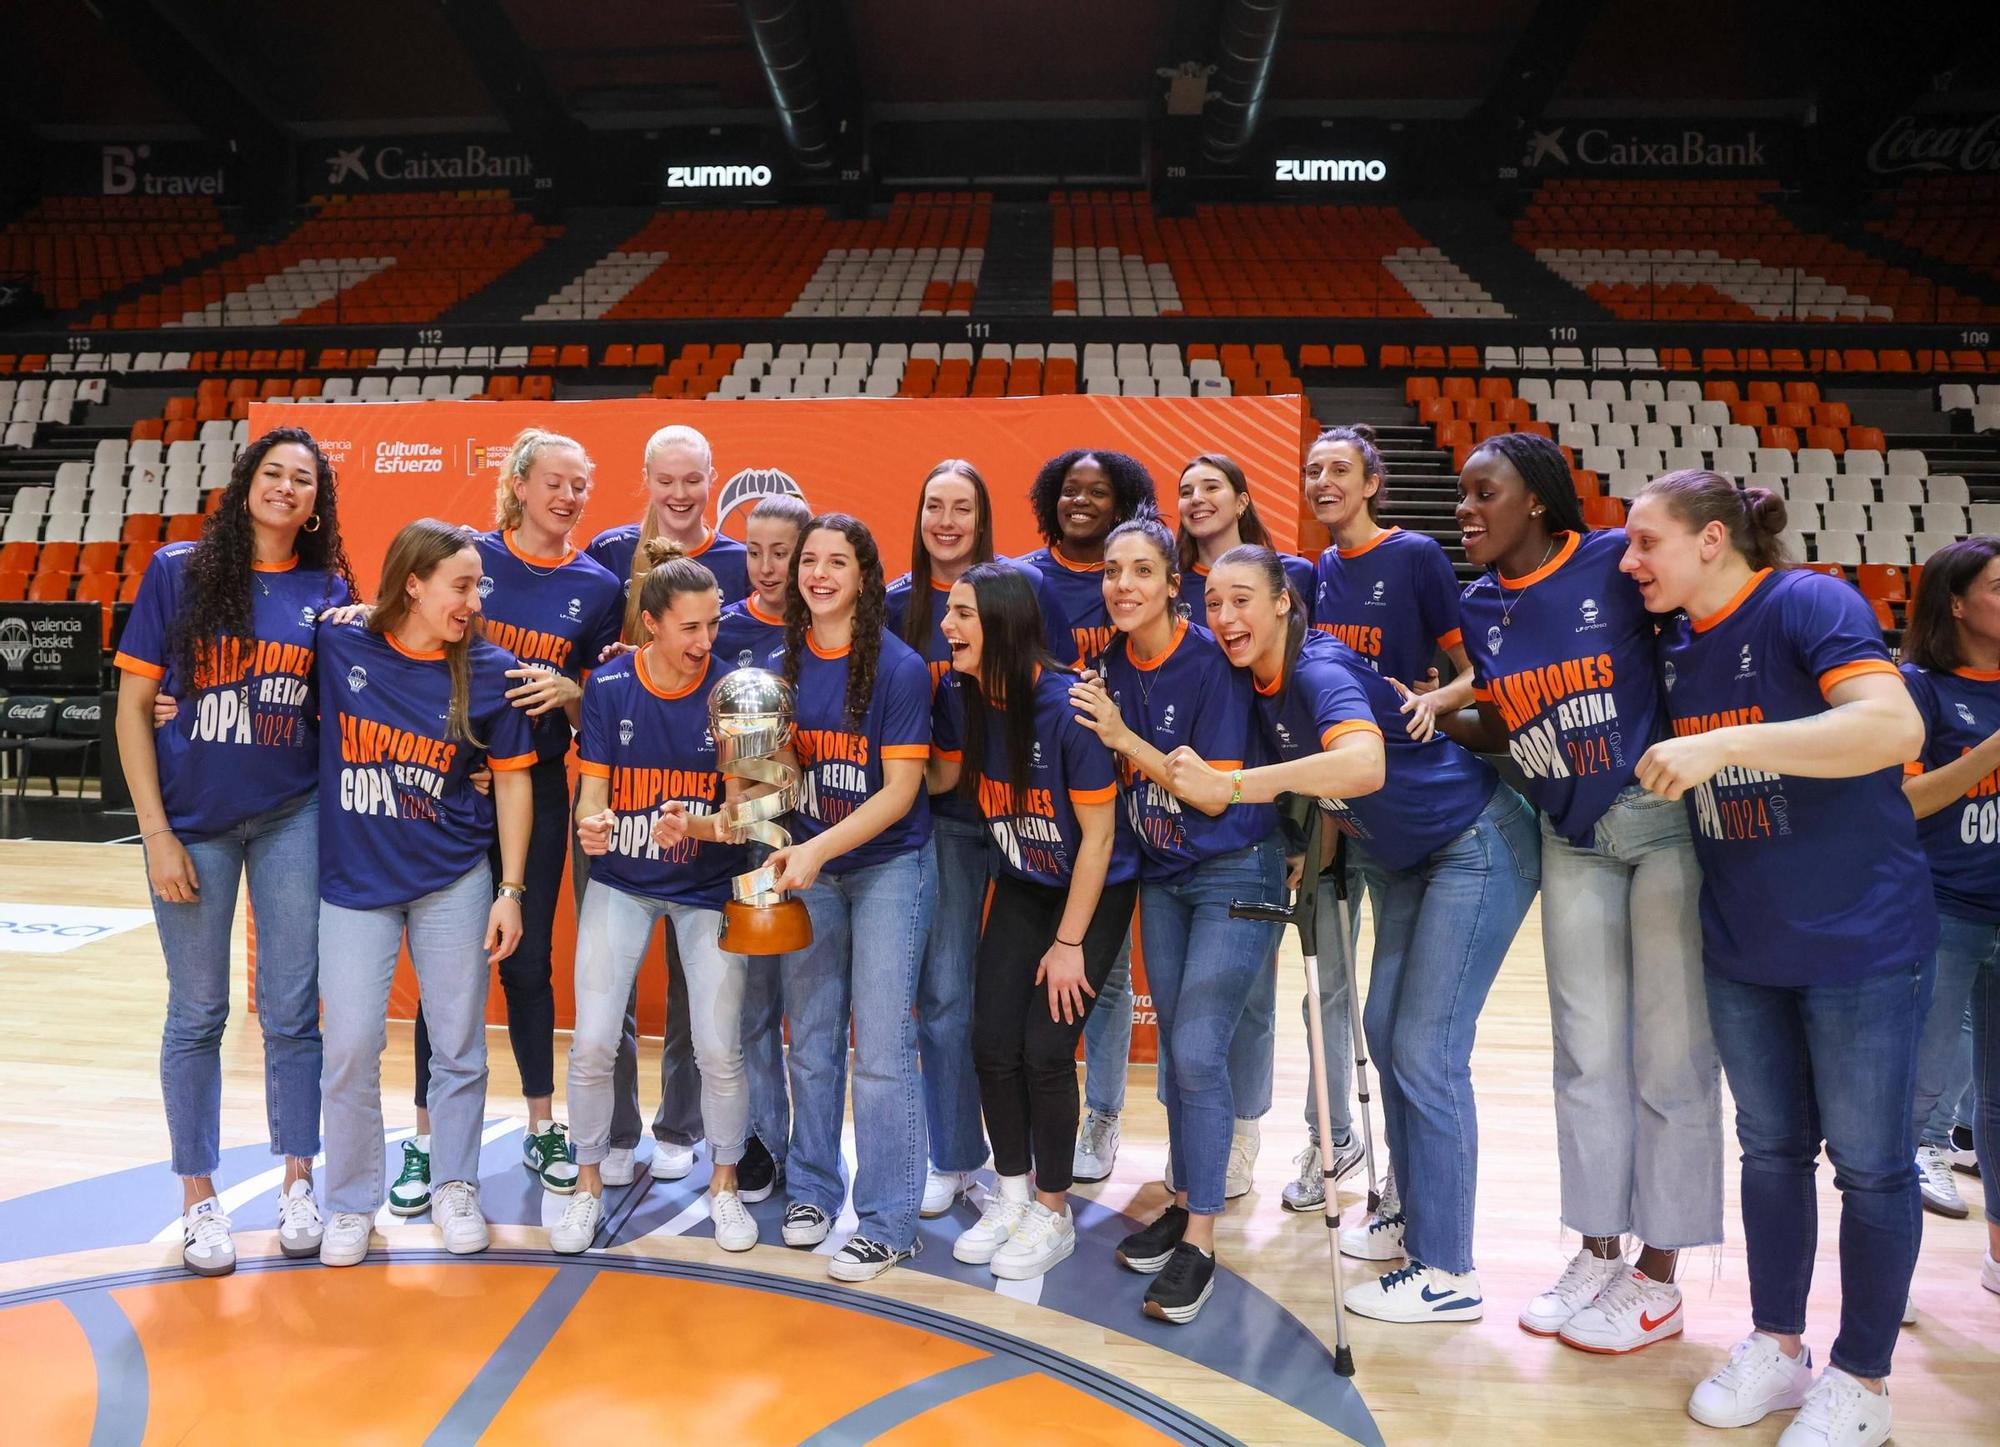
x=649, y=816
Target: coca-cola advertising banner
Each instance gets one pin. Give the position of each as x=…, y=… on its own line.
x=1937, y=145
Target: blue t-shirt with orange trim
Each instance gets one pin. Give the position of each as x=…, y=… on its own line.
x=652, y=748
x=722, y=555
x=841, y=765
x=398, y=816
x=559, y=612
x=1961, y=710
x=1569, y=658
x=246, y=739
x=1188, y=695
x=1079, y=588
x=1069, y=765
x=1393, y=600
x=746, y=628
x=937, y=657
x=1804, y=881
x=1431, y=792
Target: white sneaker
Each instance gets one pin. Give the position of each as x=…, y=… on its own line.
x=735, y=1229
x=1839, y=1409
x=1632, y=1311
x=207, y=1248
x=1096, y=1148
x=862, y=1259
x=455, y=1209
x=1419, y=1293
x=346, y=1240
x=1307, y=1191
x=299, y=1229
x=578, y=1226
x=1757, y=1380
x=1939, y=1189
x=1243, y=1147
x=1909, y=1311
x=1989, y=1273
x=617, y=1168
x=1379, y=1238
x=1043, y=1239
x=942, y=1190
x=1005, y=1206
x=1962, y=1152
x=1585, y=1276
x=670, y=1162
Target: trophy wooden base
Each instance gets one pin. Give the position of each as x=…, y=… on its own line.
x=771, y=929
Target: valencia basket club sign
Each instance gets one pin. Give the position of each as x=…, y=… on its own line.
x=863, y=456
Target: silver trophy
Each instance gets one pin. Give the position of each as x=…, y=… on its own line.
x=750, y=714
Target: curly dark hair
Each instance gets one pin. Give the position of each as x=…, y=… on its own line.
x=217, y=605
x=871, y=612
x=1132, y=488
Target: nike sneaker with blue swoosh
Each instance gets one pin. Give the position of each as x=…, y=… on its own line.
x=1420, y=1293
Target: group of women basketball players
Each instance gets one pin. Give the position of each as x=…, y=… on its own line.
x=1001, y=761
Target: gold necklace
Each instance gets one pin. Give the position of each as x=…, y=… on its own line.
x=1506, y=606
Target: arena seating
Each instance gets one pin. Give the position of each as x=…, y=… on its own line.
x=922, y=259
x=1114, y=257
x=1953, y=219
x=79, y=248
x=368, y=259
x=1718, y=251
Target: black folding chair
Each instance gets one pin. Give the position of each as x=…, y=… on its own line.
x=25, y=718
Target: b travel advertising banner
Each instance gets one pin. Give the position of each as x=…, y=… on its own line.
x=138, y=168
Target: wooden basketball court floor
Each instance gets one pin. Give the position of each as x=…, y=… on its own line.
x=661, y=1335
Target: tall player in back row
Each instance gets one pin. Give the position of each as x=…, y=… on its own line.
x=1567, y=682
x=1789, y=727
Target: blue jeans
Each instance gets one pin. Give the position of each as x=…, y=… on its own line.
x=280, y=851
x=1838, y=1064
x=1637, y=1087
x=870, y=926
x=944, y=995
x=1204, y=967
x=1443, y=929
x=357, y=951
x=1944, y=1053
x=1107, y=1038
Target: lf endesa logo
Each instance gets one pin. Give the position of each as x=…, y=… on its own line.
x=1329, y=168
x=718, y=178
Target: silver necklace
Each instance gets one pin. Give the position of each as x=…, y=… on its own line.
x=1507, y=606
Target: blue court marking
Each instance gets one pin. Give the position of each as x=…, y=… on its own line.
x=488, y=1391
x=864, y=1424
x=124, y=1392
x=1241, y=1333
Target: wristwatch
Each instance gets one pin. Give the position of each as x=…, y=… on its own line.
x=512, y=891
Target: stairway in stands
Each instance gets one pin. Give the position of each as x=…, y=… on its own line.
x=590, y=233
x=1421, y=489
x=1014, y=278
x=1482, y=242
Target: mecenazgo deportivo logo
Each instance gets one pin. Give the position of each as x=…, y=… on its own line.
x=409, y=457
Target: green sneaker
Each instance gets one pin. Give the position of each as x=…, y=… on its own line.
x=411, y=1195
x=545, y=1151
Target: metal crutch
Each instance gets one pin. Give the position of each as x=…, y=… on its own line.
x=1346, y=921
x=1303, y=913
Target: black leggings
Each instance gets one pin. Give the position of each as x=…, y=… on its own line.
x=1026, y=1060
x=525, y=974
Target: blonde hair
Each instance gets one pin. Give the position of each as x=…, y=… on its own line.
x=673, y=435
x=416, y=552
x=519, y=462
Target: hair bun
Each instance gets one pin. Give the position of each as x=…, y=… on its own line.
x=1363, y=431
x=656, y=551
x=1764, y=510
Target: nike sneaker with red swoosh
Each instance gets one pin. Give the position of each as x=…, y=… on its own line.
x=1632, y=1311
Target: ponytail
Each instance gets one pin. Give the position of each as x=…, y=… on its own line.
x=1361, y=437
x=1272, y=567
x=519, y=462
x=1754, y=518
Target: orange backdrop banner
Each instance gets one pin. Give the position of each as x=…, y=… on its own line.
x=401, y=460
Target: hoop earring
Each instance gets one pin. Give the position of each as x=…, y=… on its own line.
x=311, y=524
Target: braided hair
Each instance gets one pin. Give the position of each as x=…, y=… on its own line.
x=1546, y=472
x=871, y=611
